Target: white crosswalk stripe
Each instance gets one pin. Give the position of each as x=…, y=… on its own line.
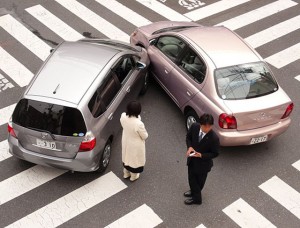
x=143, y=216
x=201, y=226
x=124, y=12
x=274, y=32
x=6, y=113
x=246, y=216
x=283, y=194
x=25, y=181
x=55, y=24
x=14, y=69
x=163, y=10
x=257, y=14
x=74, y=203
x=103, y=26
x=297, y=77
x=213, y=8
x=25, y=36
x=4, y=154
x=4, y=83
x=285, y=57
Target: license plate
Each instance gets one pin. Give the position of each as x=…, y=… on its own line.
x=259, y=139
x=46, y=144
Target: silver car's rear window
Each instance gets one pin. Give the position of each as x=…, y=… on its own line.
x=244, y=81
x=56, y=119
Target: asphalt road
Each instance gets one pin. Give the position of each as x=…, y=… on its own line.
x=237, y=172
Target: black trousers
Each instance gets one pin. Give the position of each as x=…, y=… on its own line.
x=197, y=178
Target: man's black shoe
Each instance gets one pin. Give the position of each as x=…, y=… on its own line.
x=191, y=201
x=188, y=194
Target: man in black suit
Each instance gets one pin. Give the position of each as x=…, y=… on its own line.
x=203, y=145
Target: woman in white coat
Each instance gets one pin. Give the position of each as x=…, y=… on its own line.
x=133, y=141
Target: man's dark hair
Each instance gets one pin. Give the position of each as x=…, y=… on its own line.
x=134, y=108
x=206, y=119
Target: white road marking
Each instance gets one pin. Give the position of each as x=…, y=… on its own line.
x=25, y=181
x=25, y=36
x=213, y=8
x=143, y=216
x=285, y=57
x=283, y=194
x=74, y=203
x=274, y=32
x=124, y=12
x=4, y=83
x=94, y=20
x=201, y=226
x=54, y=23
x=5, y=113
x=4, y=154
x=298, y=78
x=14, y=69
x=246, y=216
x=257, y=14
x=163, y=10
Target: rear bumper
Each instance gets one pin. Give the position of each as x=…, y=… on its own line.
x=240, y=138
x=83, y=162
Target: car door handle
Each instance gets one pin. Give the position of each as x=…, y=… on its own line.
x=188, y=93
x=166, y=71
x=110, y=117
x=128, y=89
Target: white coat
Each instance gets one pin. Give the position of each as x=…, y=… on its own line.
x=133, y=141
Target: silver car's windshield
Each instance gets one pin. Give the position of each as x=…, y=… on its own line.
x=244, y=81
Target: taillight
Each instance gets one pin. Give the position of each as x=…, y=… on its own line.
x=88, y=143
x=288, y=111
x=10, y=130
x=134, y=33
x=227, y=121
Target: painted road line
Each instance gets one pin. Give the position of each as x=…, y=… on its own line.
x=285, y=57
x=5, y=113
x=4, y=83
x=94, y=20
x=4, y=154
x=297, y=77
x=14, y=69
x=297, y=164
x=201, y=226
x=274, y=32
x=25, y=181
x=257, y=14
x=54, y=23
x=213, y=8
x=163, y=10
x=124, y=12
x=25, y=36
x=283, y=194
x=246, y=216
x=143, y=216
x=74, y=203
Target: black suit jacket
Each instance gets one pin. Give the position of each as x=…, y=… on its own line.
x=208, y=147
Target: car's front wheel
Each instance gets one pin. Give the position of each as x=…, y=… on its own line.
x=190, y=118
x=105, y=158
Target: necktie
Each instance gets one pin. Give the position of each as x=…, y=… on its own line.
x=200, y=136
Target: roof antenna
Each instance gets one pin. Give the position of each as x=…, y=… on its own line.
x=54, y=92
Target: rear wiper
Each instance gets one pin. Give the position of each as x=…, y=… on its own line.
x=40, y=130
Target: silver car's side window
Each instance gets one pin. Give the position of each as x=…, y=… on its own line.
x=104, y=95
x=193, y=65
x=124, y=68
x=171, y=46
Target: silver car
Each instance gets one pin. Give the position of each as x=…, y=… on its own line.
x=69, y=113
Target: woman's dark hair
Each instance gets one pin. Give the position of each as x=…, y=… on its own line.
x=206, y=119
x=134, y=108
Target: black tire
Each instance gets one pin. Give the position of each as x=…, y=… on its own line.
x=190, y=118
x=105, y=157
x=146, y=83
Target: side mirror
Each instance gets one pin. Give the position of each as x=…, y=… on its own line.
x=140, y=65
x=152, y=42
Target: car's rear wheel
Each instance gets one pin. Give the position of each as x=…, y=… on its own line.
x=146, y=83
x=105, y=158
x=190, y=118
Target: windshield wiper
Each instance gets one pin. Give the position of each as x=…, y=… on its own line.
x=40, y=130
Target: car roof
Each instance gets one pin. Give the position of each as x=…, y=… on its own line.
x=224, y=47
x=71, y=70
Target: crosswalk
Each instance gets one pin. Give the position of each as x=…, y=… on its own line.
x=14, y=73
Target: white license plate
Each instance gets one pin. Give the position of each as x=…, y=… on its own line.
x=46, y=144
x=259, y=139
